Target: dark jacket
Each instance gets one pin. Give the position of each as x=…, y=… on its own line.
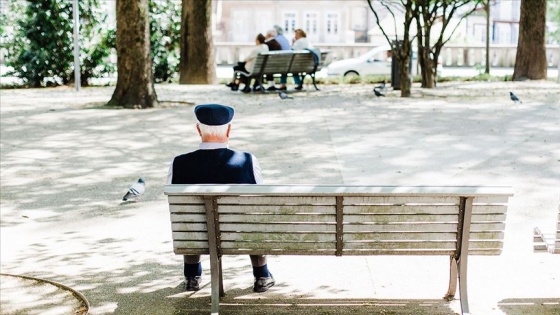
x=217, y=166
x=273, y=44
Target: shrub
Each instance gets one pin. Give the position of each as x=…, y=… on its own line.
x=165, y=36
x=40, y=45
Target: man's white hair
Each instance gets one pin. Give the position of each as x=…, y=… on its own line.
x=216, y=131
x=272, y=33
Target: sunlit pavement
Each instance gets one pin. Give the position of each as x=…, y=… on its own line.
x=66, y=162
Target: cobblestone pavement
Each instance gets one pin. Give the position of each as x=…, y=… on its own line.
x=66, y=162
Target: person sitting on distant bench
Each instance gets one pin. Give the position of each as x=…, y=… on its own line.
x=245, y=67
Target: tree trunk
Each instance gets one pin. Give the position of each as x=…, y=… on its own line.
x=530, y=60
x=405, y=79
x=135, y=84
x=197, y=65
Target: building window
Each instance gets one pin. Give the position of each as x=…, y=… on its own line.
x=310, y=22
x=289, y=21
x=332, y=22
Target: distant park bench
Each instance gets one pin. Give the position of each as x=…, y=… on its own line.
x=338, y=220
x=285, y=62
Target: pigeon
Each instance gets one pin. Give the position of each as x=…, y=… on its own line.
x=377, y=93
x=514, y=98
x=284, y=96
x=380, y=87
x=135, y=190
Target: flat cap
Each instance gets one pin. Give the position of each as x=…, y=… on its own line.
x=213, y=114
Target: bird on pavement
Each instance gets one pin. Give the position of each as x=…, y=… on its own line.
x=380, y=87
x=514, y=98
x=284, y=96
x=377, y=93
x=135, y=190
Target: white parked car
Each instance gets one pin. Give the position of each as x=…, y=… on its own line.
x=375, y=62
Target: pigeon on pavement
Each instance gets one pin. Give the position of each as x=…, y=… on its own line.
x=377, y=93
x=380, y=87
x=135, y=190
x=284, y=96
x=514, y=98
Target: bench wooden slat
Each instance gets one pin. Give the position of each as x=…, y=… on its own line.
x=183, y=226
x=419, y=209
x=487, y=226
x=307, y=252
x=331, y=190
x=279, y=245
x=184, y=199
x=277, y=200
x=419, y=200
x=389, y=218
x=187, y=208
x=419, y=244
x=273, y=228
x=387, y=245
x=277, y=209
x=382, y=236
x=404, y=209
x=274, y=218
x=279, y=237
x=190, y=244
x=399, y=236
x=488, y=217
x=190, y=235
x=398, y=252
x=425, y=227
x=402, y=227
x=188, y=217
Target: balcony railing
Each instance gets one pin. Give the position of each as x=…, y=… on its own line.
x=451, y=55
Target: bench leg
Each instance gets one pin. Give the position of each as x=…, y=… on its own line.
x=314, y=83
x=215, y=279
x=463, y=284
x=222, y=293
x=458, y=271
x=452, y=279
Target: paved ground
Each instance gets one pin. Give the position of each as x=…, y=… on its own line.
x=66, y=162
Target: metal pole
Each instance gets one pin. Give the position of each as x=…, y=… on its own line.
x=77, y=79
x=487, y=7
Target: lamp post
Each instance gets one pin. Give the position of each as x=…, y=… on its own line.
x=77, y=79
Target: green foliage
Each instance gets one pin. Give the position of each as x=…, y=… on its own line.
x=165, y=32
x=40, y=46
x=553, y=16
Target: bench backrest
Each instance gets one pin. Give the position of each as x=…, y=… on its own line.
x=283, y=62
x=338, y=220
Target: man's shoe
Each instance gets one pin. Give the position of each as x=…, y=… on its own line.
x=299, y=87
x=271, y=88
x=263, y=283
x=192, y=284
x=246, y=89
x=230, y=85
x=282, y=88
x=235, y=87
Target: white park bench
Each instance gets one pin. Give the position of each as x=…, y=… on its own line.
x=338, y=220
